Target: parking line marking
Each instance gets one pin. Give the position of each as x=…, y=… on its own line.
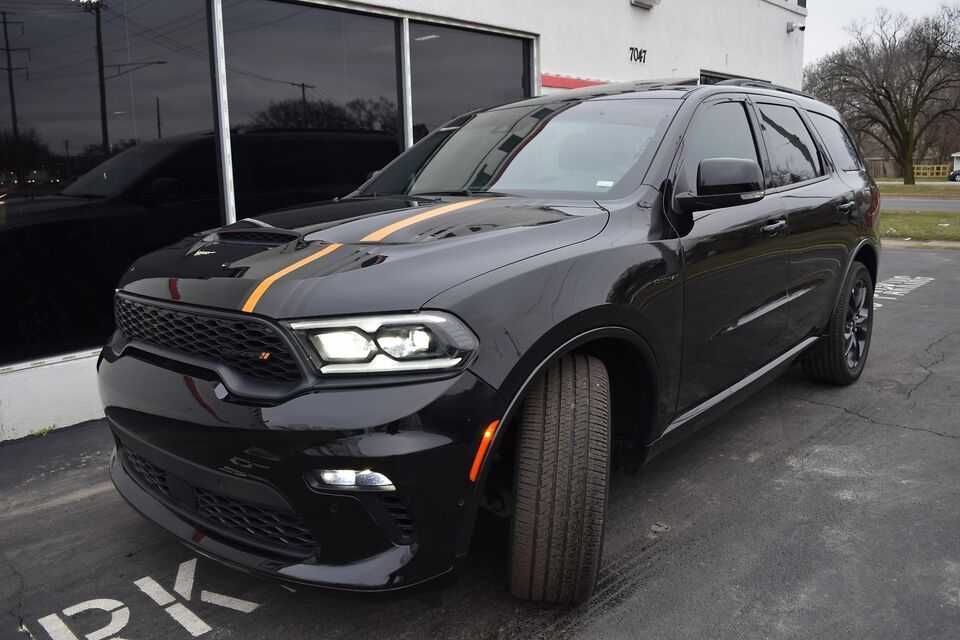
x=188, y=620
x=56, y=628
x=243, y=606
x=154, y=591
x=185, y=574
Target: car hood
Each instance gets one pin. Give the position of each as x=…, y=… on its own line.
x=359, y=255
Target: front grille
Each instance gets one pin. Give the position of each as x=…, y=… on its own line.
x=251, y=347
x=152, y=475
x=277, y=527
x=274, y=529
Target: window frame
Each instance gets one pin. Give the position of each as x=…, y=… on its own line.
x=826, y=164
x=679, y=159
x=404, y=73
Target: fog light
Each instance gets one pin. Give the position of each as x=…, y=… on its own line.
x=359, y=480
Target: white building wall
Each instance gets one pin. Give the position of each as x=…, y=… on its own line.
x=592, y=39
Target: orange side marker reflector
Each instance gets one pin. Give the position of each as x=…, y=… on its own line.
x=267, y=282
x=485, y=441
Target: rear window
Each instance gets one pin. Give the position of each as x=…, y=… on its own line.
x=793, y=155
x=839, y=144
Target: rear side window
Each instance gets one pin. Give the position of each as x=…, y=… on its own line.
x=839, y=144
x=793, y=155
x=720, y=131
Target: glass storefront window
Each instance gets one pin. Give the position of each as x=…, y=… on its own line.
x=456, y=70
x=74, y=212
x=313, y=101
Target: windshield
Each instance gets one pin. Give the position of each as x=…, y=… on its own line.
x=598, y=148
x=116, y=175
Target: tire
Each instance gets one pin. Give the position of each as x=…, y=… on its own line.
x=562, y=475
x=828, y=361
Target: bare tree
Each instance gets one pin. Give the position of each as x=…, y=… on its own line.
x=897, y=80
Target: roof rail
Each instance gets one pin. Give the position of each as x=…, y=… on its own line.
x=762, y=84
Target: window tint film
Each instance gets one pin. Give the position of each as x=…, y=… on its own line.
x=793, y=155
x=85, y=191
x=839, y=144
x=591, y=149
x=454, y=71
x=718, y=131
x=313, y=101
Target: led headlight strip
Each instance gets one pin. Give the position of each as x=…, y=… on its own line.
x=398, y=343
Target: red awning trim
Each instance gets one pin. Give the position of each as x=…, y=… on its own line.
x=567, y=82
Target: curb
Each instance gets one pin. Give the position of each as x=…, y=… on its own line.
x=895, y=243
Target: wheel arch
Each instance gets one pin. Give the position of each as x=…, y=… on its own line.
x=627, y=356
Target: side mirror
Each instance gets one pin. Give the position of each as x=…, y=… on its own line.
x=163, y=190
x=724, y=182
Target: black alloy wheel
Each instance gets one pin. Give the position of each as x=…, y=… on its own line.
x=841, y=353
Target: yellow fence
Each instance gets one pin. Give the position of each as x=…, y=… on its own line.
x=931, y=170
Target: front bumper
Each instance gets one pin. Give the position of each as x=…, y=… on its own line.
x=228, y=479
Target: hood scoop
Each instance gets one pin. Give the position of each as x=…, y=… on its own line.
x=263, y=236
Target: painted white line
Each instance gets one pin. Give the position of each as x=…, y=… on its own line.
x=188, y=620
x=55, y=628
x=185, y=575
x=243, y=606
x=119, y=616
x=154, y=591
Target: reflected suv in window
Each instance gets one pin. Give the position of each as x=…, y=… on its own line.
x=332, y=394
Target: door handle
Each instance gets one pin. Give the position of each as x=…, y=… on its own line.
x=846, y=207
x=774, y=227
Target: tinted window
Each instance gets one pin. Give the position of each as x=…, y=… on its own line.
x=455, y=71
x=718, y=131
x=793, y=155
x=82, y=197
x=839, y=144
x=300, y=78
x=595, y=148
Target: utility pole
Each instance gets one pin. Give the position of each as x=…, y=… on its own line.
x=94, y=7
x=104, y=134
x=17, y=169
x=159, y=127
x=303, y=100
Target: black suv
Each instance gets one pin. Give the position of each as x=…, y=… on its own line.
x=329, y=394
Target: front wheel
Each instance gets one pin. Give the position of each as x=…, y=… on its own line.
x=840, y=355
x=560, y=492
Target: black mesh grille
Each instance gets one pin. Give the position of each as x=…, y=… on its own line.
x=248, y=346
x=397, y=509
x=257, y=237
x=271, y=528
x=152, y=475
x=276, y=527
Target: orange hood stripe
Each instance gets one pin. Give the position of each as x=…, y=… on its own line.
x=267, y=282
x=390, y=229
x=375, y=236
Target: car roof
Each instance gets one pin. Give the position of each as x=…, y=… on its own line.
x=681, y=88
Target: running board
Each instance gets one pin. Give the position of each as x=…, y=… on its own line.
x=739, y=386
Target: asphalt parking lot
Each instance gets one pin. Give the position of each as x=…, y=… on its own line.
x=807, y=512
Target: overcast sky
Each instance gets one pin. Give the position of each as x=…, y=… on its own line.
x=828, y=19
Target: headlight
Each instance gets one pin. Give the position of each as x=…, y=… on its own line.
x=426, y=341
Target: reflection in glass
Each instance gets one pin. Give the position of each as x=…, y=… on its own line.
x=64, y=241
x=587, y=149
x=793, y=156
x=313, y=101
x=455, y=71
